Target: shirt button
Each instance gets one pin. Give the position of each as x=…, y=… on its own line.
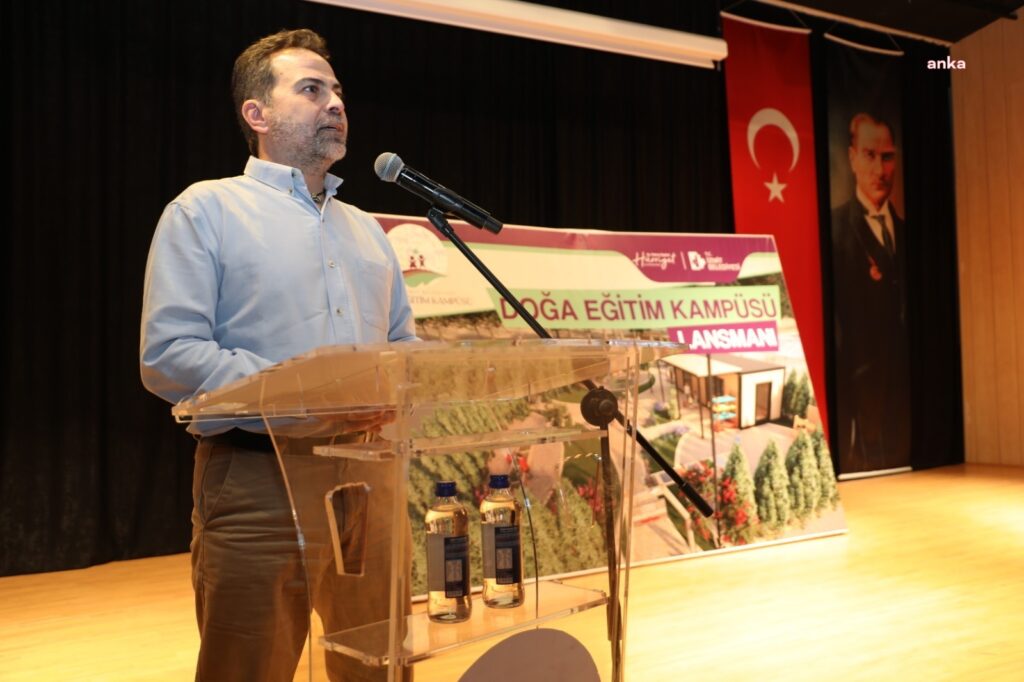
x=338, y=311
x=331, y=264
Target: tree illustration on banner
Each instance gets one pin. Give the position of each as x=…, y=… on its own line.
x=701, y=476
x=788, y=394
x=803, y=396
x=796, y=395
x=804, y=477
x=829, y=490
x=738, y=508
x=771, y=489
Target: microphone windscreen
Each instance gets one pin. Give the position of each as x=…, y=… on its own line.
x=387, y=166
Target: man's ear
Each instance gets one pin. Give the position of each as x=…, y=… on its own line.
x=252, y=112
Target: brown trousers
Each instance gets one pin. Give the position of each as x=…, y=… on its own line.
x=250, y=587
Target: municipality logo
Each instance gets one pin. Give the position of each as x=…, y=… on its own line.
x=697, y=261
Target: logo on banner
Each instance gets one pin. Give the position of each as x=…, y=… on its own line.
x=773, y=117
x=708, y=261
x=420, y=253
x=659, y=260
x=697, y=261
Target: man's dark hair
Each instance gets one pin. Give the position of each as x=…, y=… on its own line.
x=252, y=77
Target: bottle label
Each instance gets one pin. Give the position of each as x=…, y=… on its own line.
x=501, y=554
x=448, y=565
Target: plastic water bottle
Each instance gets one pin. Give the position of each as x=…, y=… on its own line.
x=500, y=514
x=448, y=596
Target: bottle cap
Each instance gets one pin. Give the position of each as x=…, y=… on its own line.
x=444, y=489
x=499, y=481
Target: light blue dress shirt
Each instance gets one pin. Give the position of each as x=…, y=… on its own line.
x=248, y=271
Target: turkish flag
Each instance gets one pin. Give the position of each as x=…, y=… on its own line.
x=771, y=142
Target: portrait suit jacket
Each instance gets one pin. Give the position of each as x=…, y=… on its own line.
x=872, y=351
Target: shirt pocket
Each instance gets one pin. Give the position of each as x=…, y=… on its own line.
x=373, y=293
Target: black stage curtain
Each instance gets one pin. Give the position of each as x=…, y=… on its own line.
x=113, y=108
x=936, y=415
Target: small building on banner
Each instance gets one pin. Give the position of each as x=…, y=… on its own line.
x=744, y=392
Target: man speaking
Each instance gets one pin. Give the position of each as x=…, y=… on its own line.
x=243, y=273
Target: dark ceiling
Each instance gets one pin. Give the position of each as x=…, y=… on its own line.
x=944, y=20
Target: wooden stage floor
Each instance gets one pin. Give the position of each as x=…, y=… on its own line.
x=927, y=585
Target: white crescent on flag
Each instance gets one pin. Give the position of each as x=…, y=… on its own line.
x=772, y=117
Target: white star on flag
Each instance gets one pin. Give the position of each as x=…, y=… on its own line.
x=775, y=189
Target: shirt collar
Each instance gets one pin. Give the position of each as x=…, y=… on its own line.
x=286, y=178
x=870, y=210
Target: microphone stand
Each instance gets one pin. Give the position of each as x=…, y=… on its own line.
x=437, y=218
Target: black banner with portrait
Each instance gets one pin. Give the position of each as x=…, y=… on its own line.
x=869, y=289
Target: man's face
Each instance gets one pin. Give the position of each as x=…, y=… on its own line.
x=873, y=160
x=305, y=115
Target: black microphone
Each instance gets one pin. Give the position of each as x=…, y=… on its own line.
x=389, y=168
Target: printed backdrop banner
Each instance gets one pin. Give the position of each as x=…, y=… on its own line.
x=868, y=258
x=774, y=181
x=735, y=415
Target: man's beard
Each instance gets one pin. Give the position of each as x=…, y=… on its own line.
x=306, y=148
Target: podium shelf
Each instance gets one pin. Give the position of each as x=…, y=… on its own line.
x=422, y=447
x=425, y=638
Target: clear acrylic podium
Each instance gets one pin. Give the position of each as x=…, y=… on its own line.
x=448, y=410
